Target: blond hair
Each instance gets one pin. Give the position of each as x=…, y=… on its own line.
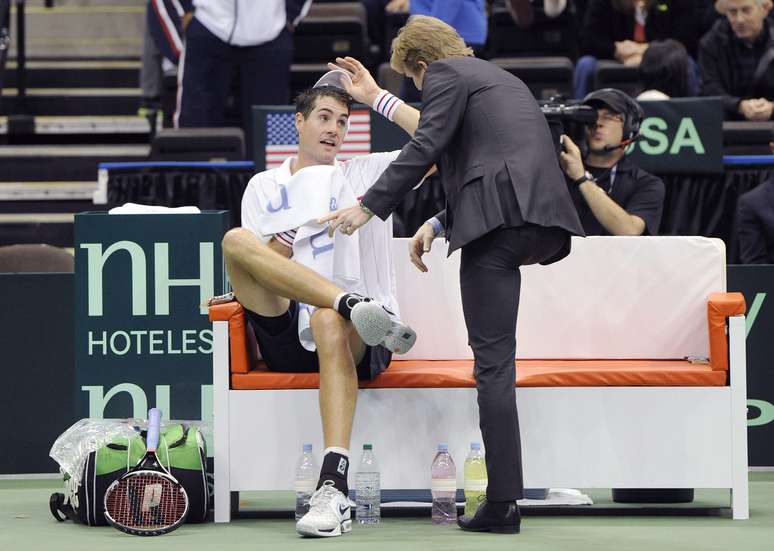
x=427, y=39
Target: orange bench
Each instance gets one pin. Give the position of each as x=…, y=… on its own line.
x=251, y=374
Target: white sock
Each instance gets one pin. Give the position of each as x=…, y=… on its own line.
x=340, y=451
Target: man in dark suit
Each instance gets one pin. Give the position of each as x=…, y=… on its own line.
x=507, y=206
x=755, y=213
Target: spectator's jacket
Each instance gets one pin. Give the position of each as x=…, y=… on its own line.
x=756, y=224
x=603, y=26
x=165, y=23
x=720, y=72
x=468, y=17
x=249, y=22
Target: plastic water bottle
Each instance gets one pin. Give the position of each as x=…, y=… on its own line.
x=368, y=494
x=307, y=473
x=444, y=487
x=475, y=478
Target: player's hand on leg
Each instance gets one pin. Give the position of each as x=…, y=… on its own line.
x=421, y=244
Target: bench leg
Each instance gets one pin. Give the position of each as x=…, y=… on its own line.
x=220, y=390
x=738, y=374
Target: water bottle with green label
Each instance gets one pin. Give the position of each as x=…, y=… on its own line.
x=475, y=479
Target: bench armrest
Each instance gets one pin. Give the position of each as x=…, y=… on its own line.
x=720, y=307
x=239, y=345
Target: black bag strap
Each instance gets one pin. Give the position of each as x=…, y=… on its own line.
x=62, y=511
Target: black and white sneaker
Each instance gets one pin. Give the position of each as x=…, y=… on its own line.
x=329, y=513
x=377, y=325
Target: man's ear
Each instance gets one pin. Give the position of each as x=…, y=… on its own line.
x=422, y=64
x=299, y=120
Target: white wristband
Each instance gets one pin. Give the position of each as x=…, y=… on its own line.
x=386, y=104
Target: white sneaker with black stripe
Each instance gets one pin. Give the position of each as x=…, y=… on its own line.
x=329, y=513
x=377, y=325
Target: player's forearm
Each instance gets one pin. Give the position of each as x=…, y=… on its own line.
x=407, y=118
x=612, y=217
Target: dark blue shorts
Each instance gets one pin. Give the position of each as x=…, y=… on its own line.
x=283, y=351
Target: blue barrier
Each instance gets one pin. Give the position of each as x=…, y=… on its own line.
x=741, y=160
x=728, y=160
x=179, y=164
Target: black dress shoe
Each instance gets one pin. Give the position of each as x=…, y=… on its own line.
x=500, y=517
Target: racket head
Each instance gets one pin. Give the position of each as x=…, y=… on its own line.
x=146, y=503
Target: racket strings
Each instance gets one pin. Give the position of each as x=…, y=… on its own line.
x=146, y=501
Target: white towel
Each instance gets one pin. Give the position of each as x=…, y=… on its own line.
x=311, y=193
x=134, y=208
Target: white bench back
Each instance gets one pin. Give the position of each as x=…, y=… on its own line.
x=612, y=298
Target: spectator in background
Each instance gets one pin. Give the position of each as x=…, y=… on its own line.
x=467, y=17
x=611, y=194
x=161, y=47
x=523, y=12
x=755, y=215
x=227, y=38
x=736, y=59
x=663, y=71
x=622, y=30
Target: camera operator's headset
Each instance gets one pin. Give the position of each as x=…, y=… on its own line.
x=633, y=113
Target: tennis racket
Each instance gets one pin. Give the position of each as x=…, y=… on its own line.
x=147, y=500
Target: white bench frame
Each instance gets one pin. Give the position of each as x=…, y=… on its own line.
x=574, y=437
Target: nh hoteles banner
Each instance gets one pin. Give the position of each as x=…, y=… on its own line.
x=142, y=334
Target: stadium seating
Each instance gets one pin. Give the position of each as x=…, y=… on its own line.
x=611, y=74
x=546, y=36
x=545, y=76
x=643, y=393
x=330, y=30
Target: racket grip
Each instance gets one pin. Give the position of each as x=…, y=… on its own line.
x=154, y=426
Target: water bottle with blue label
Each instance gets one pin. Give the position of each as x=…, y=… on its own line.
x=305, y=481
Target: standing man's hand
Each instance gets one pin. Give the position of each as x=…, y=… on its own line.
x=364, y=88
x=349, y=220
x=570, y=159
x=420, y=244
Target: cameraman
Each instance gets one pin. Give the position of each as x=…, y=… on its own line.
x=611, y=194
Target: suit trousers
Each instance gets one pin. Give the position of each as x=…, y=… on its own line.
x=490, y=281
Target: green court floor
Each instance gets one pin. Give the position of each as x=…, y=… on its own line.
x=25, y=523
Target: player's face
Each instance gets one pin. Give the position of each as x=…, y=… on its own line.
x=321, y=134
x=607, y=131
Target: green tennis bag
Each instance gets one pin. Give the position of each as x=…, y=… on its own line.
x=182, y=450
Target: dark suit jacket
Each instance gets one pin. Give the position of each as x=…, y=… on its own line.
x=482, y=127
x=756, y=224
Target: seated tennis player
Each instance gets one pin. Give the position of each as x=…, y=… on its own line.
x=319, y=302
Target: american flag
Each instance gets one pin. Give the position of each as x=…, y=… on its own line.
x=282, y=138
